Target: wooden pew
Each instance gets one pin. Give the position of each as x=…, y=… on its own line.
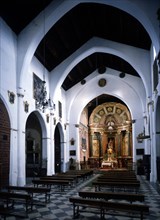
x=50, y=183
x=131, y=197
x=76, y=177
x=113, y=185
x=62, y=177
x=114, y=179
x=11, y=198
x=117, y=175
x=120, y=173
x=32, y=190
x=106, y=206
x=6, y=212
x=84, y=174
x=114, y=175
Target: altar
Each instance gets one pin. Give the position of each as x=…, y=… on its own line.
x=109, y=164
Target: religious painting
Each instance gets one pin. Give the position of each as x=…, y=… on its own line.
x=60, y=109
x=37, y=86
x=125, y=144
x=84, y=144
x=95, y=148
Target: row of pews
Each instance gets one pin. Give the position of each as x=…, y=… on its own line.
x=64, y=180
x=41, y=185
x=119, y=180
x=113, y=190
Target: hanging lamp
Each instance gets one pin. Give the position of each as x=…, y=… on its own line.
x=42, y=103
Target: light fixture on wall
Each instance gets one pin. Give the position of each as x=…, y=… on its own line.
x=26, y=106
x=72, y=141
x=11, y=96
x=42, y=103
x=142, y=137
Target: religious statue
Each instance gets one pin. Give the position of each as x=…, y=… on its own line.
x=110, y=150
x=110, y=159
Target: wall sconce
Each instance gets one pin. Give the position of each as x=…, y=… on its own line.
x=47, y=118
x=72, y=141
x=11, y=96
x=65, y=125
x=152, y=104
x=26, y=106
x=141, y=137
x=54, y=121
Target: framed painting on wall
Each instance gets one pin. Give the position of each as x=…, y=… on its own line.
x=72, y=153
x=37, y=86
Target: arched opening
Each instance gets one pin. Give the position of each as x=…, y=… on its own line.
x=35, y=165
x=4, y=145
x=109, y=141
x=57, y=144
x=158, y=139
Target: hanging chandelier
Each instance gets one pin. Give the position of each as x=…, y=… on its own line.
x=41, y=101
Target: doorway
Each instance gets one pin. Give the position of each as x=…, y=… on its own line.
x=4, y=145
x=57, y=145
x=33, y=146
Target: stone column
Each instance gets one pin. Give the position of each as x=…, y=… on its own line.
x=14, y=157
x=118, y=143
x=21, y=179
x=91, y=144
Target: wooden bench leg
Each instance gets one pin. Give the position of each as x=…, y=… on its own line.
x=141, y=215
x=47, y=197
x=75, y=210
x=29, y=202
x=102, y=213
x=31, y=194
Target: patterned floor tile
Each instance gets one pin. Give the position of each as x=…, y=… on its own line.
x=59, y=208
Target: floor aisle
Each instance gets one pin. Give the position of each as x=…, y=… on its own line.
x=61, y=209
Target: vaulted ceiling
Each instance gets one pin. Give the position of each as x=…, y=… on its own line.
x=75, y=28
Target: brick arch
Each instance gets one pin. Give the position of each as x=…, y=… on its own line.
x=4, y=145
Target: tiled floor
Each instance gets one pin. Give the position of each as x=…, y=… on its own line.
x=60, y=208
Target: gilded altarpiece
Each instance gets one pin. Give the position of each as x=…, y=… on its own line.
x=112, y=123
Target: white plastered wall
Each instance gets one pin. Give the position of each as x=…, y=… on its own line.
x=18, y=64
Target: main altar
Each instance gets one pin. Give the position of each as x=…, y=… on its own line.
x=110, y=137
x=109, y=159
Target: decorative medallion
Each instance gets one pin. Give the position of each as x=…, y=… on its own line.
x=125, y=117
x=83, y=81
x=96, y=119
x=109, y=109
x=102, y=82
x=118, y=111
x=101, y=112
